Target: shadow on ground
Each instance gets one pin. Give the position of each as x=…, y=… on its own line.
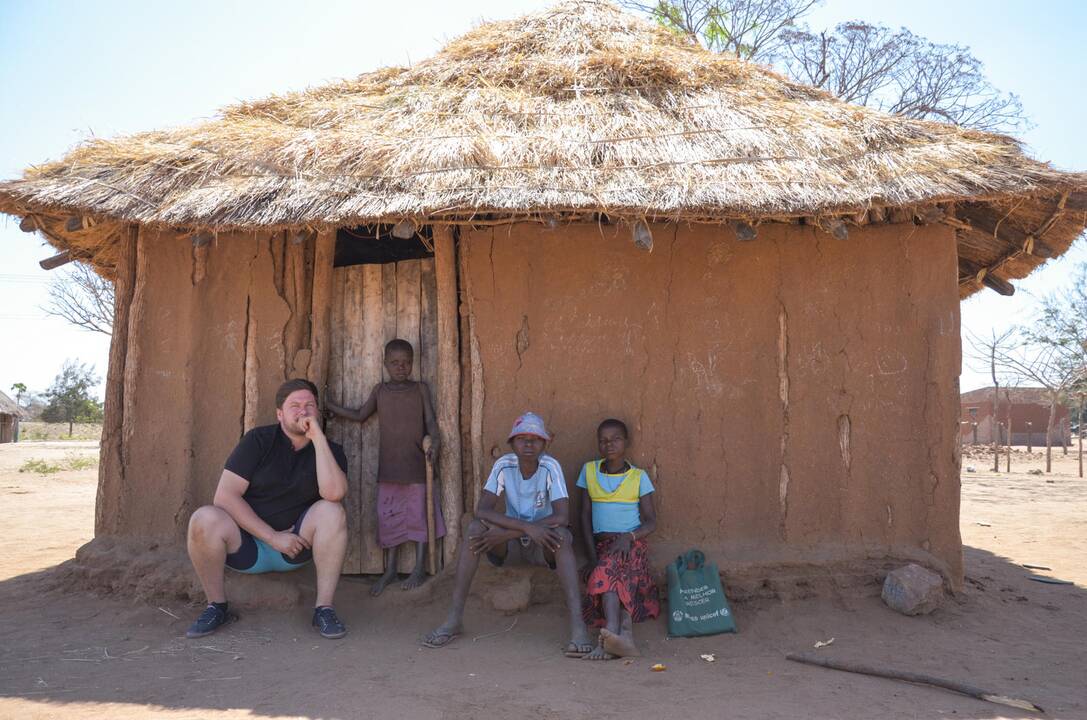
x=76, y=654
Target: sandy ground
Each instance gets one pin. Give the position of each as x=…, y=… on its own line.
x=76, y=655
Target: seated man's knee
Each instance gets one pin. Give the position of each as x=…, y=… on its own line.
x=327, y=512
x=567, y=536
x=208, y=521
x=476, y=527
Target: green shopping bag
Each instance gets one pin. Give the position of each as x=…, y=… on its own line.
x=696, y=601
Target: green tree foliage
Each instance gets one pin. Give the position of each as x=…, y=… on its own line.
x=69, y=399
x=20, y=390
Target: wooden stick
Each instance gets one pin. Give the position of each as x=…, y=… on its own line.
x=431, y=555
x=952, y=685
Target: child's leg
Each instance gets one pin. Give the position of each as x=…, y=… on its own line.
x=467, y=564
x=566, y=567
x=390, y=572
x=418, y=574
x=613, y=611
x=620, y=644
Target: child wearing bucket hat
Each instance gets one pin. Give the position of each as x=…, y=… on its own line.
x=531, y=531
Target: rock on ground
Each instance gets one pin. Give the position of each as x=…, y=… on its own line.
x=913, y=590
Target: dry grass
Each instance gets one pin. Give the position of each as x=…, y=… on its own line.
x=577, y=109
x=37, y=431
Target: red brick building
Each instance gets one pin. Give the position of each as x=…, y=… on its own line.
x=1029, y=414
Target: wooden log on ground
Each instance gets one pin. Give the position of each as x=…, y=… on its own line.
x=447, y=392
x=111, y=469
x=893, y=674
x=320, y=313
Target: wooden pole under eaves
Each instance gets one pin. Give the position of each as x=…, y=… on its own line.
x=447, y=391
x=321, y=301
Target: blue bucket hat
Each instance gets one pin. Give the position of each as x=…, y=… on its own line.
x=529, y=424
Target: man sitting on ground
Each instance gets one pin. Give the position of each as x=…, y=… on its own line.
x=277, y=506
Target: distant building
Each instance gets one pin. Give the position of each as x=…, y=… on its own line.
x=10, y=415
x=1029, y=417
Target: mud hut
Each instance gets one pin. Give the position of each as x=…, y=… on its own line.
x=580, y=213
x=10, y=415
x=1028, y=410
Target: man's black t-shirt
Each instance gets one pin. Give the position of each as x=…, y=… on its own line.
x=282, y=481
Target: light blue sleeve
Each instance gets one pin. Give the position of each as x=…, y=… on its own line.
x=581, y=483
x=644, y=485
x=491, y=485
x=558, y=481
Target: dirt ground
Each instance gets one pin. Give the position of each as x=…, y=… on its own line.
x=78, y=655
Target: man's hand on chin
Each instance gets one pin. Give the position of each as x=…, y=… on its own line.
x=311, y=427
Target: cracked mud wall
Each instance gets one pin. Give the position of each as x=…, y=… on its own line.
x=795, y=398
x=193, y=314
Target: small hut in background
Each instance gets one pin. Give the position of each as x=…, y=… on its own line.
x=1030, y=410
x=10, y=415
x=580, y=213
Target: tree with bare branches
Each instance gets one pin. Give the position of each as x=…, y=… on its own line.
x=986, y=350
x=1061, y=327
x=1046, y=366
x=859, y=62
x=747, y=29
x=82, y=297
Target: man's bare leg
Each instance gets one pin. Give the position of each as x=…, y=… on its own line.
x=325, y=528
x=566, y=567
x=213, y=535
x=418, y=575
x=467, y=564
x=391, y=555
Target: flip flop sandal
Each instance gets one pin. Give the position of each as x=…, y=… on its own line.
x=440, y=640
x=573, y=650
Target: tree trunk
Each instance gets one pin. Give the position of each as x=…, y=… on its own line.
x=1079, y=433
x=1049, y=434
x=994, y=426
x=1064, y=437
x=71, y=423
x=1008, y=400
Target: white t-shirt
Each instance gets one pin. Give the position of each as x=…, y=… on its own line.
x=527, y=499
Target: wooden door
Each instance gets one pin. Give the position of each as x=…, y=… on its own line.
x=371, y=305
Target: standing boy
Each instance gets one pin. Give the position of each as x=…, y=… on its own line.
x=533, y=529
x=405, y=415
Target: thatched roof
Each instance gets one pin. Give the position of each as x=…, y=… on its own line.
x=10, y=407
x=574, y=111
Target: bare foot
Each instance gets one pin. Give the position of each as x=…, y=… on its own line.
x=618, y=645
x=382, y=583
x=599, y=653
x=417, y=578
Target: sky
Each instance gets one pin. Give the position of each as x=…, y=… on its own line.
x=71, y=70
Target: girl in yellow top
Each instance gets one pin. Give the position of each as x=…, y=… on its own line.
x=617, y=514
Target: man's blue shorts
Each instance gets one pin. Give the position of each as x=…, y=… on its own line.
x=256, y=556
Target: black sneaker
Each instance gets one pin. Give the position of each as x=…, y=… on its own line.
x=326, y=622
x=209, y=621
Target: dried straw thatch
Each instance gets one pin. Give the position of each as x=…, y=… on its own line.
x=10, y=407
x=577, y=110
